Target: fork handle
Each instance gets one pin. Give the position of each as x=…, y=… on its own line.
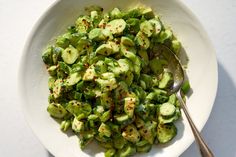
x=204, y=149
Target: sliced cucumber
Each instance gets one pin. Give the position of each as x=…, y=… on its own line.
x=77, y=125
x=166, y=80
x=83, y=24
x=126, y=151
x=110, y=152
x=129, y=106
x=122, y=119
x=70, y=55
x=167, y=109
x=147, y=28
x=104, y=49
x=73, y=79
x=166, y=132
x=116, y=26
x=131, y=133
x=119, y=142
x=104, y=130
x=146, y=148
x=157, y=26
x=96, y=34
x=142, y=40
x=185, y=87
x=56, y=110
x=127, y=41
x=148, y=13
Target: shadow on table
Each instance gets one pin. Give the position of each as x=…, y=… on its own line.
x=220, y=130
x=50, y=155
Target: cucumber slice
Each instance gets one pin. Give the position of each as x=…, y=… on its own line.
x=165, y=35
x=47, y=56
x=77, y=125
x=115, y=47
x=115, y=13
x=129, y=106
x=166, y=132
x=110, y=152
x=167, y=109
x=73, y=79
x=70, y=55
x=131, y=133
x=105, y=116
x=166, y=80
x=83, y=24
x=147, y=28
x=127, y=41
x=51, y=81
x=90, y=74
x=133, y=25
x=172, y=99
x=122, y=119
x=176, y=46
x=157, y=26
x=104, y=49
x=165, y=120
x=116, y=26
x=57, y=88
x=142, y=143
x=148, y=13
x=126, y=151
x=185, y=87
x=52, y=70
x=146, y=148
x=84, y=46
x=56, y=110
x=142, y=40
x=119, y=142
x=104, y=130
x=148, y=131
x=96, y=34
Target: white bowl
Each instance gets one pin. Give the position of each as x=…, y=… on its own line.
x=202, y=73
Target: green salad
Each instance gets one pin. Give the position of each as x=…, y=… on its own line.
x=108, y=84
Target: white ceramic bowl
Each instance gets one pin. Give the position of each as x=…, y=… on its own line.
x=202, y=73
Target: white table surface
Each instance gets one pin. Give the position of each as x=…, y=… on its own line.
x=16, y=20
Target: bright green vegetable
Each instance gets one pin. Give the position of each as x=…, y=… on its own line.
x=127, y=41
x=142, y=40
x=127, y=151
x=148, y=13
x=83, y=24
x=166, y=80
x=70, y=55
x=119, y=142
x=77, y=126
x=165, y=132
x=56, y=110
x=110, y=152
x=157, y=26
x=186, y=87
x=131, y=133
x=73, y=79
x=167, y=109
x=107, y=81
x=104, y=130
x=65, y=125
x=165, y=35
x=147, y=28
x=146, y=148
x=116, y=26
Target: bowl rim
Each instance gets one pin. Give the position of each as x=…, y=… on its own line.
x=30, y=36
